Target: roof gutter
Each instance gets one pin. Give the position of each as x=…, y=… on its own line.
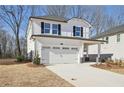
x=66, y=37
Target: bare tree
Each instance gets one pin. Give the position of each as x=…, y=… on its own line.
x=110, y=22
x=23, y=45
x=117, y=19
x=3, y=40
x=94, y=14
x=34, y=10
x=119, y=16
x=11, y=46
x=0, y=50
x=79, y=11
x=7, y=46
x=13, y=17
x=98, y=19
x=61, y=10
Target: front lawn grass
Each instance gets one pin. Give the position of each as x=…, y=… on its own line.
x=13, y=74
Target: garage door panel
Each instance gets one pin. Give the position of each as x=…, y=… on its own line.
x=59, y=56
x=45, y=56
x=63, y=58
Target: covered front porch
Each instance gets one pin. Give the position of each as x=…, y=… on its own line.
x=87, y=56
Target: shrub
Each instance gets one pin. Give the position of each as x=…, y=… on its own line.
x=103, y=60
x=120, y=63
x=20, y=58
x=109, y=61
x=36, y=59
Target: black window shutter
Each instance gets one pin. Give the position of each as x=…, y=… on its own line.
x=59, y=29
x=42, y=27
x=73, y=30
x=81, y=31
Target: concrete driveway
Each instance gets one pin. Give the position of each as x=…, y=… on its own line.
x=83, y=75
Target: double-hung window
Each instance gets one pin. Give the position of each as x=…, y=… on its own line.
x=77, y=31
x=47, y=28
x=55, y=29
x=107, y=40
x=118, y=37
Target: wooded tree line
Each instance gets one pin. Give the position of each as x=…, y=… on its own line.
x=14, y=19
x=8, y=45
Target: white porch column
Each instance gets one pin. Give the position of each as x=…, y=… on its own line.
x=81, y=54
x=98, y=55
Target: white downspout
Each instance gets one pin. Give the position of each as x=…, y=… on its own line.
x=98, y=55
x=87, y=54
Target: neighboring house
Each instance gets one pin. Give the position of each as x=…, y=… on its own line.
x=59, y=40
x=114, y=45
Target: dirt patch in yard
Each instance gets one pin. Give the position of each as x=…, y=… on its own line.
x=110, y=67
x=7, y=61
x=29, y=75
x=11, y=62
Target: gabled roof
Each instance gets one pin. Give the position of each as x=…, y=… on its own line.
x=59, y=19
x=86, y=21
x=111, y=31
x=53, y=18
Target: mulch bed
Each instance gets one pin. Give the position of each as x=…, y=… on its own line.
x=107, y=66
x=110, y=67
x=35, y=65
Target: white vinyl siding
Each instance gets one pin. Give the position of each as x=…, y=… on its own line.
x=113, y=47
x=66, y=28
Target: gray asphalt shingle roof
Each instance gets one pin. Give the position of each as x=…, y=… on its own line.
x=111, y=31
x=55, y=18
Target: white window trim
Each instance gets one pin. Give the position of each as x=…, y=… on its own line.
x=107, y=40
x=51, y=29
x=118, y=38
x=47, y=28
x=55, y=29
x=77, y=31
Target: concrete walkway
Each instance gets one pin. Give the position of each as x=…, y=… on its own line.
x=84, y=75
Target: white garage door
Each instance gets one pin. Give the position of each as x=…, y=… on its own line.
x=59, y=55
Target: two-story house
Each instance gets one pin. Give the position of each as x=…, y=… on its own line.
x=114, y=45
x=59, y=40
